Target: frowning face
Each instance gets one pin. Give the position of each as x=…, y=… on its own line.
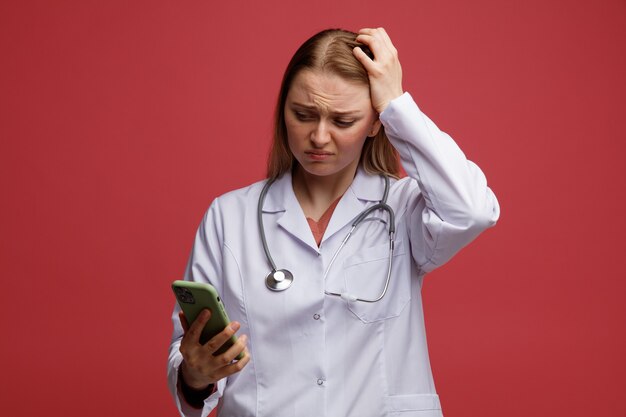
x=328, y=119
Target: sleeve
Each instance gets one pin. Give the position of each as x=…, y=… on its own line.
x=451, y=203
x=204, y=265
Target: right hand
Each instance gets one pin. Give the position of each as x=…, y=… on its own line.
x=200, y=368
x=384, y=71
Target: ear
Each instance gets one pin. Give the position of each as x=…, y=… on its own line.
x=375, y=127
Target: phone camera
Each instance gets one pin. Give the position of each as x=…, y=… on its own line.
x=185, y=296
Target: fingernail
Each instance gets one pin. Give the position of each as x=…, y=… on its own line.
x=234, y=326
x=204, y=314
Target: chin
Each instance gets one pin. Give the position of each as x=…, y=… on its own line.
x=319, y=172
x=323, y=170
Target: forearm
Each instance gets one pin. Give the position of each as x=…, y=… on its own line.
x=451, y=203
x=454, y=187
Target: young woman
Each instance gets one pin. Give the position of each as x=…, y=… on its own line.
x=331, y=325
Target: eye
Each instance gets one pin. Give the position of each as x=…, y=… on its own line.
x=303, y=117
x=344, y=123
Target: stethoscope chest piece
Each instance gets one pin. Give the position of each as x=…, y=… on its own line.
x=279, y=280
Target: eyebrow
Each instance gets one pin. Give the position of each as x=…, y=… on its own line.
x=335, y=113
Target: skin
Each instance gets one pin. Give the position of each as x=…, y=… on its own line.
x=317, y=128
x=329, y=118
x=200, y=368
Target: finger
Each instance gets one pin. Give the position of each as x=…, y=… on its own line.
x=183, y=321
x=375, y=32
x=363, y=58
x=233, y=351
x=195, y=330
x=377, y=46
x=233, y=367
x=365, y=39
x=219, y=339
x=379, y=43
x=383, y=34
x=367, y=31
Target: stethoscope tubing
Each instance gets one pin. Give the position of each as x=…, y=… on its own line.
x=280, y=280
x=259, y=213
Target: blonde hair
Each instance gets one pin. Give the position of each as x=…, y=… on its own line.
x=331, y=51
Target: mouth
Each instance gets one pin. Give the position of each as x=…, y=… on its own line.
x=318, y=155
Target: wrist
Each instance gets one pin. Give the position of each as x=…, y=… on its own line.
x=194, y=397
x=382, y=105
x=192, y=382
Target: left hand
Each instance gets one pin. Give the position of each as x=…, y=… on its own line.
x=384, y=71
x=200, y=367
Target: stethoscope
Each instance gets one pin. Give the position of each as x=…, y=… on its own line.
x=281, y=279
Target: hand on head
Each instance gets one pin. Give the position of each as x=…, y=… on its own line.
x=384, y=71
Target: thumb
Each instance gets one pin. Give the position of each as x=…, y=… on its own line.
x=183, y=321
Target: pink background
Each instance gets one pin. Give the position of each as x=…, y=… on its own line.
x=121, y=120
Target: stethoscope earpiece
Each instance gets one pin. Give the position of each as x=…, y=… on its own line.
x=279, y=280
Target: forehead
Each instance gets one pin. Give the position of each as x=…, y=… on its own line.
x=327, y=91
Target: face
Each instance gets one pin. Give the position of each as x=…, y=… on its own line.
x=328, y=119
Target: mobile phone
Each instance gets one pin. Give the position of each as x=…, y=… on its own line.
x=193, y=297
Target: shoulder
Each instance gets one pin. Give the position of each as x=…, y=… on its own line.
x=239, y=198
x=404, y=194
x=233, y=205
x=405, y=185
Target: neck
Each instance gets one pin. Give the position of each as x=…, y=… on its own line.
x=316, y=193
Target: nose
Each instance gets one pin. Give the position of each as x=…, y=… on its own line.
x=320, y=136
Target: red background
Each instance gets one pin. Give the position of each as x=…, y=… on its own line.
x=120, y=121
